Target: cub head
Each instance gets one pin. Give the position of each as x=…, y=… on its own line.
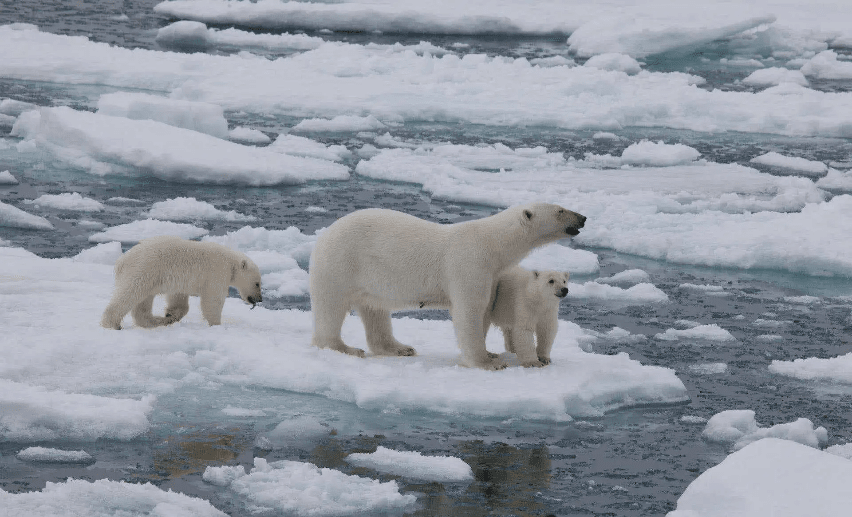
x=245, y=276
x=549, y=222
x=552, y=282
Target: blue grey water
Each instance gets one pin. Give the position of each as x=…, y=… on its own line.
x=628, y=463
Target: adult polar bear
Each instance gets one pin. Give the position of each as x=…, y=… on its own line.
x=378, y=260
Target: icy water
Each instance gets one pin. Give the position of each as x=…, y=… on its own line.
x=628, y=463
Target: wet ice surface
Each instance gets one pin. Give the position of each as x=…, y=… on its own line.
x=630, y=462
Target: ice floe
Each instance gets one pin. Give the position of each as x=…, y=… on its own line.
x=825, y=65
x=801, y=165
x=301, y=146
x=627, y=277
x=340, y=123
x=197, y=116
x=6, y=178
x=774, y=76
x=658, y=154
x=246, y=135
x=146, y=228
x=562, y=258
x=16, y=218
x=832, y=369
x=770, y=477
x=191, y=209
x=49, y=455
x=637, y=294
x=614, y=62
x=711, y=332
x=68, y=201
x=413, y=465
x=739, y=428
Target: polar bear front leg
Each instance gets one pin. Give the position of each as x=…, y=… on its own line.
x=176, y=308
x=212, y=301
x=377, y=325
x=142, y=315
x=329, y=313
x=468, y=319
x=122, y=302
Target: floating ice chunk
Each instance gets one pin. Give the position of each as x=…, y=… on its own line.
x=106, y=253
x=551, y=61
x=707, y=288
x=834, y=369
x=770, y=337
x=197, y=116
x=604, y=135
x=184, y=35
x=6, y=121
x=67, y=201
x=138, y=230
x=291, y=242
x=562, y=258
x=711, y=332
x=739, y=428
x=844, y=41
x=6, y=178
x=191, y=209
x=658, y=154
x=639, y=35
x=761, y=322
x=340, y=123
x=292, y=487
x=775, y=76
x=14, y=108
x=243, y=412
x=88, y=224
x=613, y=61
x=47, y=455
x=708, y=368
x=741, y=63
x=301, y=146
x=627, y=277
x=692, y=419
x=804, y=299
x=245, y=135
x=272, y=42
x=639, y=293
x=16, y=218
x=316, y=210
x=825, y=65
x=844, y=450
x=836, y=180
x=35, y=414
x=770, y=477
x=413, y=465
x=619, y=335
x=78, y=498
x=802, y=165
x=119, y=200
x=298, y=427
x=99, y=143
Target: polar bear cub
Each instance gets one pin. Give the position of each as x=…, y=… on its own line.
x=179, y=269
x=527, y=303
x=377, y=261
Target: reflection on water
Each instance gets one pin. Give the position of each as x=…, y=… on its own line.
x=183, y=454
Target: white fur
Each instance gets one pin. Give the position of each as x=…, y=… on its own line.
x=377, y=261
x=178, y=268
x=526, y=303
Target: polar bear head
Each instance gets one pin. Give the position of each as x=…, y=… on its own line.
x=245, y=276
x=552, y=283
x=549, y=222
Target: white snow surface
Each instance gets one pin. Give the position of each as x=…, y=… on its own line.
x=413, y=465
x=637, y=294
x=191, y=209
x=627, y=277
x=803, y=165
x=146, y=228
x=247, y=135
x=100, y=145
x=6, y=178
x=659, y=154
x=562, y=258
x=836, y=180
x=197, y=116
x=398, y=83
x=104, y=498
x=301, y=146
x=711, y=332
x=16, y=218
x=105, y=253
x=825, y=65
x=739, y=428
x=70, y=352
x=774, y=76
x=833, y=369
x=296, y=488
x=771, y=477
x=49, y=455
x=614, y=62
x=68, y=201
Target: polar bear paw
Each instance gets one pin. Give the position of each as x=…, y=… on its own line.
x=544, y=360
x=533, y=364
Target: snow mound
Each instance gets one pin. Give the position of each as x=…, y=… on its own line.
x=67, y=201
x=6, y=178
x=834, y=369
x=627, y=277
x=836, y=180
x=35, y=414
x=614, y=62
x=47, y=455
x=138, y=230
x=775, y=76
x=191, y=209
x=104, y=498
x=246, y=135
x=711, y=332
x=413, y=465
x=825, y=65
x=562, y=258
x=292, y=487
x=844, y=450
x=639, y=293
x=340, y=123
x=739, y=428
x=184, y=35
x=106, y=253
x=197, y=116
x=99, y=144
x=770, y=477
x=805, y=166
x=658, y=154
x=16, y=218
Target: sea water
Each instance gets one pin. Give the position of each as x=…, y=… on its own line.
x=631, y=461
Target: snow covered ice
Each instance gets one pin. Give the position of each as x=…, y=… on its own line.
x=708, y=145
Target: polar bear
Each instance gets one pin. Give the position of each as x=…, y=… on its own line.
x=377, y=260
x=527, y=303
x=179, y=269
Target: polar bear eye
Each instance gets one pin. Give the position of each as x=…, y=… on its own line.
x=551, y=281
x=257, y=285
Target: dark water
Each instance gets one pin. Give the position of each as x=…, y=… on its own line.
x=628, y=463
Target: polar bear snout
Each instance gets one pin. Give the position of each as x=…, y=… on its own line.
x=562, y=293
x=578, y=222
x=254, y=299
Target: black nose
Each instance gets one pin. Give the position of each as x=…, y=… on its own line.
x=563, y=292
x=582, y=219
x=252, y=299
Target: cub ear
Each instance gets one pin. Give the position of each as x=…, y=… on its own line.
x=244, y=265
x=528, y=214
x=567, y=275
x=535, y=273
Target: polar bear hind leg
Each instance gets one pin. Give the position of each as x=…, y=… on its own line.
x=142, y=315
x=329, y=314
x=377, y=325
x=212, y=302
